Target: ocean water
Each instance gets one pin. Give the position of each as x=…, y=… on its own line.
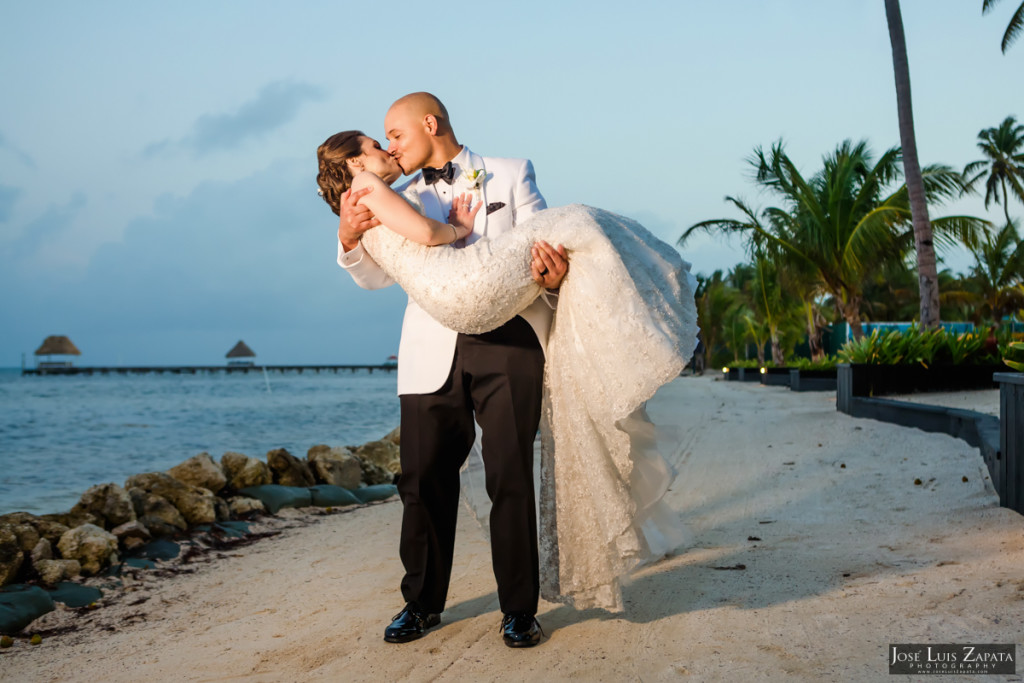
x=60, y=435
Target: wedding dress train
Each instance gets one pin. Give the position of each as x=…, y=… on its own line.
x=625, y=324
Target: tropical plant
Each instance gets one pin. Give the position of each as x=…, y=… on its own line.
x=1014, y=350
x=716, y=300
x=1003, y=165
x=746, y=363
x=775, y=307
x=890, y=292
x=917, y=345
x=826, y=362
x=927, y=269
x=843, y=222
x=998, y=273
x=1013, y=29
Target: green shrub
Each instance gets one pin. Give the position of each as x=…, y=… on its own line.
x=917, y=346
x=1013, y=355
x=751, y=363
x=826, y=363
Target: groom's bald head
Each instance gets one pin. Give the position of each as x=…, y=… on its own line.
x=419, y=132
x=420, y=104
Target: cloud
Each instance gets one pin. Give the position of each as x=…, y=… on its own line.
x=251, y=259
x=276, y=104
x=17, y=152
x=43, y=232
x=8, y=196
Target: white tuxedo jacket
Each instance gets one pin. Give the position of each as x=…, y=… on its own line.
x=509, y=195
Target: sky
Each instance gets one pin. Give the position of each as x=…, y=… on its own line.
x=157, y=161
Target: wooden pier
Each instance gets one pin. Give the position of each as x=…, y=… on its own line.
x=197, y=369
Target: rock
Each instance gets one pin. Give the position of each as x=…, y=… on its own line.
x=11, y=555
x=335, y=466
x=195, y=504
x=200, y=470
x=156, y=513
x=221, y=509
x=382, y=453
x=131, y=535
x=242, y=506
x=109, y=504
x=12, y=518
x=27, y=535
x=394, y=436
x=42, y=551
x=93, y=547
x=288, y=470
x=50, y=529
x=379, y=461
x=373, y=475
x=243, y=471
x=69, y=520
x=55, y=571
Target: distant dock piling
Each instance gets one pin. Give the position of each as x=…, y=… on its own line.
x=197, y=369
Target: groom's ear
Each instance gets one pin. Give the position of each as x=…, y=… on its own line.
x=430, y=124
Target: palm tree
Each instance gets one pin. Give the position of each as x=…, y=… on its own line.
x=1003, y=165
x=840, y=225
x=716, y=301
x=927, y=269
x=998, y=272
x=1016, y=23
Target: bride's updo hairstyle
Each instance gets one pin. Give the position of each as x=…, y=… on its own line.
x=334, y=177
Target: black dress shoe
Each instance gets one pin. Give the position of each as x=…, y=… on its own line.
x=409, y=624
x=520, y=630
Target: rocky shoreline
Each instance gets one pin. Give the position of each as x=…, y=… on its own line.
x=200, y=499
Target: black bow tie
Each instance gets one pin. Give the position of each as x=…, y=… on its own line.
x=445, y=173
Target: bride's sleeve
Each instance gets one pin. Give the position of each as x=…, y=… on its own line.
x=391, y=209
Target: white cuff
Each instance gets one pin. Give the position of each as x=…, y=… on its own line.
x=348, y=259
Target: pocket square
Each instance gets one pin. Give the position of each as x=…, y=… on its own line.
x=494, y=206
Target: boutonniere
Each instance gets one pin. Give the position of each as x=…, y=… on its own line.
x=475, y=178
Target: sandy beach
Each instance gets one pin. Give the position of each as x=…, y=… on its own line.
x=812, y=549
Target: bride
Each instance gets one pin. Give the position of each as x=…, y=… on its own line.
x=625, y=324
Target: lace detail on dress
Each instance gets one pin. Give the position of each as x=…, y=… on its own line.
x=626, y=324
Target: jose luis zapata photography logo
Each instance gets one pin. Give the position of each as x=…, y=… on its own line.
x=916, y=658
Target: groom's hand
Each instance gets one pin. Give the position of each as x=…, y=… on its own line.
x=355, y=218
x=549, y=265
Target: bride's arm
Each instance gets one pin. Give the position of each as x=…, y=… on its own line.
x=396, y=214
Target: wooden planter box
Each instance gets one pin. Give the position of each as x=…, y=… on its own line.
x=812, y=380
x=743, y=375
x=750, y=374
x=777, y=376
x=1008, y=470
x=880, y=380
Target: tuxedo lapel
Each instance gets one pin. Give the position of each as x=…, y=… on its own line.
x=464, y=185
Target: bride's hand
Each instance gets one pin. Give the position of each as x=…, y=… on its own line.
x=463, y=213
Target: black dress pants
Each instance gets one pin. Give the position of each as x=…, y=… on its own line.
x=499, y=377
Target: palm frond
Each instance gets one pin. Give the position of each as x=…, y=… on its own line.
x=953, y=231
x=1014, y=28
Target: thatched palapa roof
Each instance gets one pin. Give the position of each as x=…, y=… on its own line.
x=57, y=345
x=240, y=350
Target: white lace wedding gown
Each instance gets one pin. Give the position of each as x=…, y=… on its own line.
x=625, y=324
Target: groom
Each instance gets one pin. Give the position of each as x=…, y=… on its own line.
x=446, y=380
